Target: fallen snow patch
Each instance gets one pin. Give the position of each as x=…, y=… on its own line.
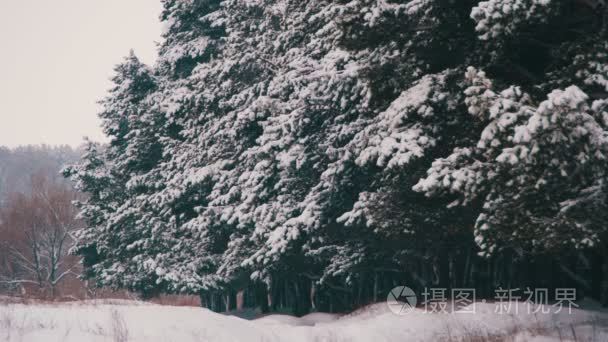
x=125, y=321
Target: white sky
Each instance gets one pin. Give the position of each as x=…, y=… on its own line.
x=56, y=58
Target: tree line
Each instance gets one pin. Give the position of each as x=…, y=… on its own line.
x=312, y=155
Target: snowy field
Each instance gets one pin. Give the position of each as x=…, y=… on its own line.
x=121, y=321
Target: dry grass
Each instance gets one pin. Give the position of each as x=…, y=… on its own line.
x=11, y=328
x=177, y=300
x=102, y=295
x=120, y=331
x=587, y=332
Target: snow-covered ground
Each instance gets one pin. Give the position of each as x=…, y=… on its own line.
x=132, y=321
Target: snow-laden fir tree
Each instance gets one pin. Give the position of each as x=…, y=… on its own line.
x=309, y=145
x=538, y=170
x=113, y=242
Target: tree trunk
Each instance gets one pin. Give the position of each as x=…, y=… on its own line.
x=444, y=269
x=604, y=282
x=313, y=290
x=467, y=269
x=53, y=291
x=240, y=300
x=203, y=300
x=375, y=294
x=596, y=276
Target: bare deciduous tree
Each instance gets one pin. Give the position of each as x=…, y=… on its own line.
x=35, y=236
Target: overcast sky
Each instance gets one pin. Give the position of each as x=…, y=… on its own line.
x=55, y=61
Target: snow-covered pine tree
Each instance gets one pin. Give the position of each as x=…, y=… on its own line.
x=113, y=242
x=288, y=143
x=537, y=170
x=374, y=126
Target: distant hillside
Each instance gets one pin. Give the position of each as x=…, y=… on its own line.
x=18, y=165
